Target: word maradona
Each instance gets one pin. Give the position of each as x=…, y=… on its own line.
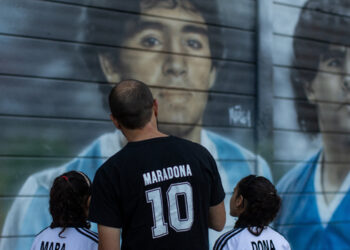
x=167, y=174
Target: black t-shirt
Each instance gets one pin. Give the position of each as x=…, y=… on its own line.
x=159, y=192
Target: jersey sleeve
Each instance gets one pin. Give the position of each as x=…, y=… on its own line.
x=105, y=206
x=217, y=191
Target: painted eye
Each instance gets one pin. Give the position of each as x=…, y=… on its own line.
x=346, y=85
x=150, y=42
x=334, y=63
x=195, y=44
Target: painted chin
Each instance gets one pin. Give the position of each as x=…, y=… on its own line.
x=175, y=100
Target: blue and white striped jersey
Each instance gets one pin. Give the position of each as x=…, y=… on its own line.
x=72, y=238
x=241, y=238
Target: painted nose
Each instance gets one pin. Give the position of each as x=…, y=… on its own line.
x=175, y=65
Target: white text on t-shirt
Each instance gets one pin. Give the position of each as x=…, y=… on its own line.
x=167, y=174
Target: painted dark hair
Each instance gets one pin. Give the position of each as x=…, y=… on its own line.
x=261, y=203
x=324, y=20
x=117, y=30
x=126, y=15
x=68, y=200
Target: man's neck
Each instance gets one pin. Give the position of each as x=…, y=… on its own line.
x=193, y=134
x=145, y=133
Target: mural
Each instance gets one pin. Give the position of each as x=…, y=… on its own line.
x=60, y=58
x=315, y=192
x=177, y=47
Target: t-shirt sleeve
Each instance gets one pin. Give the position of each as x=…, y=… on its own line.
x=217, y=191
x=105, y=207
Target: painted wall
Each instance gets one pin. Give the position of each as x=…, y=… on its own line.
x=311, y=121
x=59, y=59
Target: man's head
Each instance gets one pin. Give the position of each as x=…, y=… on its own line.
x=131, y=104
x=175, y=56
x=327, y=88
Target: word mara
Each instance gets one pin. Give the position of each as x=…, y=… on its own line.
x=167, y=174
x=52, y=246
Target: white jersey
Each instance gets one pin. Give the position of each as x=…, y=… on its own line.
x=241, y=238
x=71, y=239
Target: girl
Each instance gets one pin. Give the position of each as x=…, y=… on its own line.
x=69, y=205
x=255, y=203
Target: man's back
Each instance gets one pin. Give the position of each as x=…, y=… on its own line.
x=159, y=192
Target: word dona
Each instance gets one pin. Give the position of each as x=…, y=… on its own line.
x=167, y=174
x=46, y=245
x=263, y=245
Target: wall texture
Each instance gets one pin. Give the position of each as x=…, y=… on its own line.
x=222, y=76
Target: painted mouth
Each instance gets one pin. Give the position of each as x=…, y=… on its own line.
x=175, y=98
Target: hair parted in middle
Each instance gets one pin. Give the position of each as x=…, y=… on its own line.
x=120, y=31
x=261, y=202
x=131, y=103
x=69, y=196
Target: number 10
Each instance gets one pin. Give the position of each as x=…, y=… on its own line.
x=154, y=196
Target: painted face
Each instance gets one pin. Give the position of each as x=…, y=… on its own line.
x=331, y=91
x=235, y=203
x=174, y=56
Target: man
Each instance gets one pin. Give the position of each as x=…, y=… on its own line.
x=131, y=189
x=316, y=204
x=173, y=57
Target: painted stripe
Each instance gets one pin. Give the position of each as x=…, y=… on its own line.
x=87, y=235
x=226, y=237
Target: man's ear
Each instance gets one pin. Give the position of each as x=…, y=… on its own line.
x=109, y=69
x=212, y=77
x=310, y=91
x=115, y=122
x=155, y=107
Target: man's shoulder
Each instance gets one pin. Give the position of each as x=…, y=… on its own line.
x=193, y=147
x=188, y=143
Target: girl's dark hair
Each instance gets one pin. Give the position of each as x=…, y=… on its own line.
x=68, y=200
x=261, y=203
